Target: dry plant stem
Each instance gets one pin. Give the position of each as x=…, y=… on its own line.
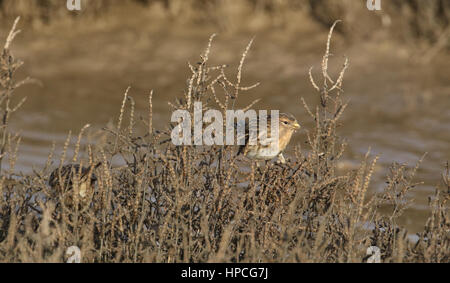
x=150, y=113
x=8, y=83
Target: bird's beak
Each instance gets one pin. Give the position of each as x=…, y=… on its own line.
x=296, y=126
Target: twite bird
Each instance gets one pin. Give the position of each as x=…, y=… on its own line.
x=66, y=175
x=273, y=148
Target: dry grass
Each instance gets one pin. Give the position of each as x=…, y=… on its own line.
x=203, y=204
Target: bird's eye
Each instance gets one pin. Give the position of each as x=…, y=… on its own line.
x=284, y=122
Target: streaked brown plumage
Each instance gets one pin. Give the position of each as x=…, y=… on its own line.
x=62, y=179
x=287, y=126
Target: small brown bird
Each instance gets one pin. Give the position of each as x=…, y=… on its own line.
x=287, y=126
x=66, y=175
